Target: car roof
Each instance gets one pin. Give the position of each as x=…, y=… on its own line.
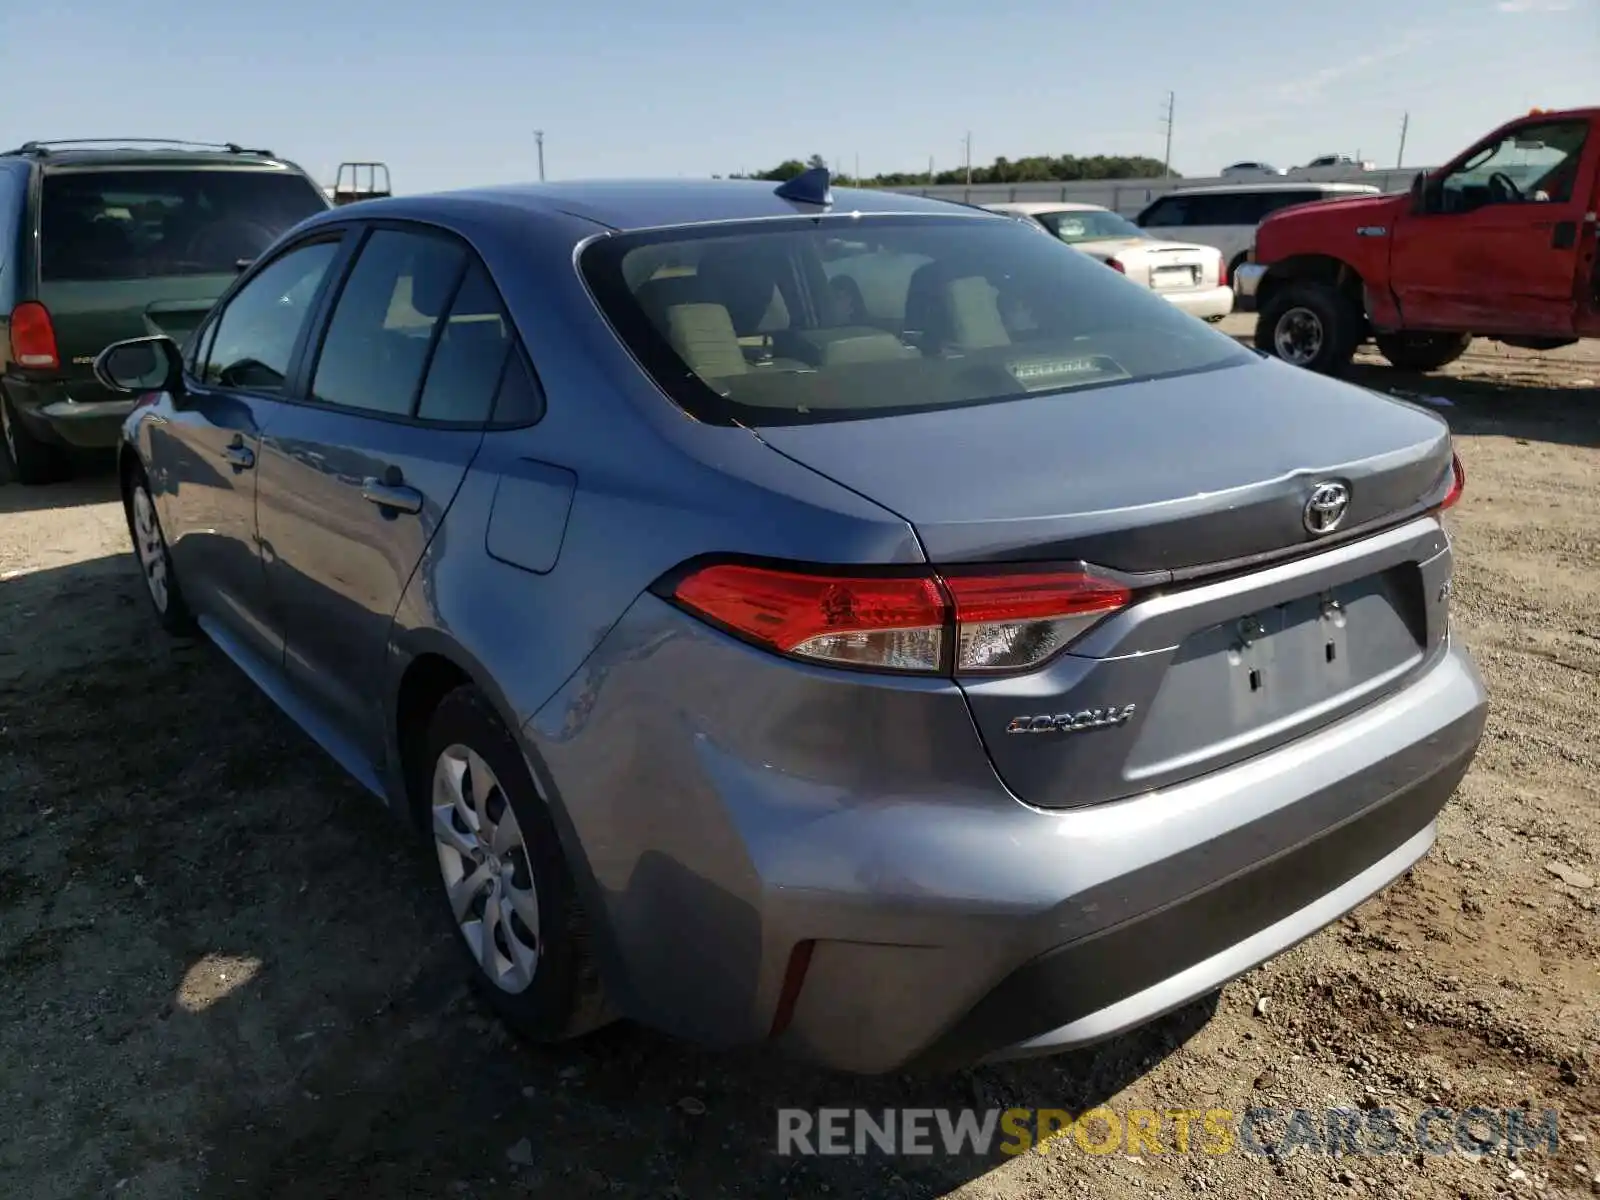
x=1034, y=207
x=648, y=204
x=1305, y=185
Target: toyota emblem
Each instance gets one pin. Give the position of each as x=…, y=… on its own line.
x=1326, y=507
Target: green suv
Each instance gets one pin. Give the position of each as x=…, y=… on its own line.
x=104, y=240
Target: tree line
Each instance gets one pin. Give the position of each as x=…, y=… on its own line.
x=1035, y=168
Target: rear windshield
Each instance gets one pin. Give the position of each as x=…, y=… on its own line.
x=783, y=322
x=144, y=224
x=1088, y=225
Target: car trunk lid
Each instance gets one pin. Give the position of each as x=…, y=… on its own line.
x=1162, y=475
x=1247, y=629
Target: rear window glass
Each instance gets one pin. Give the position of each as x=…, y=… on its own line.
x=145, y=224
x=784, y=322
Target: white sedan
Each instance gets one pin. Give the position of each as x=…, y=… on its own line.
x=1190, y=276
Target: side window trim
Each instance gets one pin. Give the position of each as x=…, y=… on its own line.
x=208, y=335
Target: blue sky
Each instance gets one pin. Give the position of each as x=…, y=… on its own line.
x=449, y=93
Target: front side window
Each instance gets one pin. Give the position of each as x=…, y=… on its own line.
x=98, y=224
x=812, y=320
x=1534, y=164
x=382, y=329
x=1089, y=225
x=254, y=337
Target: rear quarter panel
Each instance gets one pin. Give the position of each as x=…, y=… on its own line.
x=651, y=489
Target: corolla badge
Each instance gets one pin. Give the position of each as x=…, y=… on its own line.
x=1326, y=507
x=1088, y=718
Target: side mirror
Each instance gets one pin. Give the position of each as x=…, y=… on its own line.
x=147, y=364
x=1419, y=194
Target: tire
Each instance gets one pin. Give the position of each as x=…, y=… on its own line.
x=1311, y=325
x=541, y=978
x=31, y=460
x=1422, y=351
x=154, y=559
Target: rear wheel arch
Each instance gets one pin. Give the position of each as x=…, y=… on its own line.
x=1313, y=268
x=427, y=679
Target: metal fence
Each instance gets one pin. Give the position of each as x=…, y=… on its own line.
x=1129, y=196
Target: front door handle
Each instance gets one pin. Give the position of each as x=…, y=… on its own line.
x=396, y=496
x=1565, y=236
x=239, y=456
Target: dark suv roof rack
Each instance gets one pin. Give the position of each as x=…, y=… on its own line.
x=42, y=149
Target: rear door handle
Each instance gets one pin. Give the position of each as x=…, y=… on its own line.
x=1565, y=236
x=239, y=456
x=392, y=495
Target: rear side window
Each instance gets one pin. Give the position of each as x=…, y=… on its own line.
x=1276, y=200
x=376, y=347
x=153, y=223
x=784, y=322
x=469, y=356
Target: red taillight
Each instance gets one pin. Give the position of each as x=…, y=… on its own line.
x=1222, y=273
x=33, y=337
x=1458, y=482
x=924, y=623
x=1116, y=266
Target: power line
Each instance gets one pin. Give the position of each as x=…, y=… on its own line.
x=1166, y=119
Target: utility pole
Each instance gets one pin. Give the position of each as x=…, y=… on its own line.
x=930, y=170
x=969, y=157
x=856, y=178
x=1166, y=119
x=1400, y=159
x=538, y=137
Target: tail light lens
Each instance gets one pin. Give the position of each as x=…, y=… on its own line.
x=1458, y=482
x=925, y=623
x=1116, y=266
x=1006, y=622
x=33, y=337
x=1222, y=273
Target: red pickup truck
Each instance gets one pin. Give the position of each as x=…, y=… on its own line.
x=1499, y=243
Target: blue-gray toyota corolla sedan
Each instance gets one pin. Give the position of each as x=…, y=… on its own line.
x=834, y=618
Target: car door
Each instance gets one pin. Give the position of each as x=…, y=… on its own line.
x=1494, y=245
x=203, y=449
x=356, y=478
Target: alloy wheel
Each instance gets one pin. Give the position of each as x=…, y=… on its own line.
x=151, y=548
x=487, y=874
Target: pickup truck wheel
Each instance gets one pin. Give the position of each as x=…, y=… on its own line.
x=31, y=460
x=1422, y=351
x=1312, y=325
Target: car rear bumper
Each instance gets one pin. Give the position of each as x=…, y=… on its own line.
x=775, y=852
x=1209, y=304
x=52, y=410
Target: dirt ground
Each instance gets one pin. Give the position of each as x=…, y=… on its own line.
x=221, y=976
